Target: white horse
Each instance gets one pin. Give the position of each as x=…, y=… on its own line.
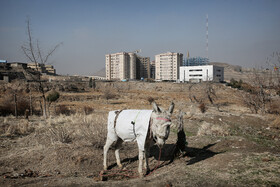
x=145, y=126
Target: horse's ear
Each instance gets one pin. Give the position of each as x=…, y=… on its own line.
x=156, y=108
x=171, y=108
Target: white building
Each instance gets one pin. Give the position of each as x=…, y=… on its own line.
x=201, y=73
x=167, y=66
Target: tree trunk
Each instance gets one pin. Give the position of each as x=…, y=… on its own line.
x=30, y=104
x=44, y=108
x=15, y=99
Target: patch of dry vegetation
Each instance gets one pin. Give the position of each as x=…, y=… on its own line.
x=208, y=129
x=70, y=141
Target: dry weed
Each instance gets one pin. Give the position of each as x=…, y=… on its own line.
x=276, y=123
x=88, y=129
x=21, y=128
x=60, y=134
x=93, y=130
x=212, y=130
x=202, y=107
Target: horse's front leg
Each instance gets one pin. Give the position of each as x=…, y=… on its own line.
x=146, y=164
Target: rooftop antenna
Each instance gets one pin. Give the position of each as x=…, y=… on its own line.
x=207, y=36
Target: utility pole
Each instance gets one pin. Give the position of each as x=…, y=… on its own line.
x=207, y=36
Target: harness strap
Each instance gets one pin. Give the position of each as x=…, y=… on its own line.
x=133, y=123
x=117, y=115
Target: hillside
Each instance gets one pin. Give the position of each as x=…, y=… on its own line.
x=227, y=145
x=101, y=73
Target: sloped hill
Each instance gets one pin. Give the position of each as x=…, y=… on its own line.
x=101, y=73
x=234, y=71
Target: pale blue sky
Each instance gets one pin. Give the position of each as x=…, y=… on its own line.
x=241, y=32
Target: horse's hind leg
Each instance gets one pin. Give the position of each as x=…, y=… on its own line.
x=117, y=151
x=107, y=145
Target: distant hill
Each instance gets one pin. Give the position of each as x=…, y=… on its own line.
x=100, y=73
x=234, y=71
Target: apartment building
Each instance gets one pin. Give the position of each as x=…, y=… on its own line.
x=201, y=73
x=123, y=65
x=153, y=69
x=167, y=66
x=120, y=66
x=142, y=67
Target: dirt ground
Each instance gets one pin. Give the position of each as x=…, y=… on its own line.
x=226, y=146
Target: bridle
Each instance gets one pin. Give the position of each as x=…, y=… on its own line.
x=165, y=119
x=162, y=137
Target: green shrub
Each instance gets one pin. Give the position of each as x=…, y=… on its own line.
x=235, y=84
x=53, y=96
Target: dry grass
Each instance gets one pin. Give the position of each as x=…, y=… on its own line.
x=89, y=129
x=9, y=128
x=209, y=129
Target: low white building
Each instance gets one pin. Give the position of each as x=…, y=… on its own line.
x=201, y=73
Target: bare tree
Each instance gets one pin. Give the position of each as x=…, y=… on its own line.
x=35, y=54
x=273, y=63
x=202, y=92
x=258, y=97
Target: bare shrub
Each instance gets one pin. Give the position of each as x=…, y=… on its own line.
x=257, y=96
x=150, y=100
x=23, y=105
x=274, y=108
x=202, y=93
x=88, y=110
x=257, y=101
x=63, y=109
x=212, y=130
x=202, y=107
x=7, y=106
x=60, y=134
x=108, y=94
x=275, y=123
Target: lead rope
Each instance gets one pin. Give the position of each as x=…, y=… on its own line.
x=126, y=172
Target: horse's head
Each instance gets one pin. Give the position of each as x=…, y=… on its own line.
x=161, y=121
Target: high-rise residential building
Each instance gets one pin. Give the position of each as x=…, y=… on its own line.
x=153, y=69
x=120, y=66
x=167, y=65
x=124, y=65
x=142, y=67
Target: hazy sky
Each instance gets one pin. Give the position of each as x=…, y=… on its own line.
x=241, y=32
